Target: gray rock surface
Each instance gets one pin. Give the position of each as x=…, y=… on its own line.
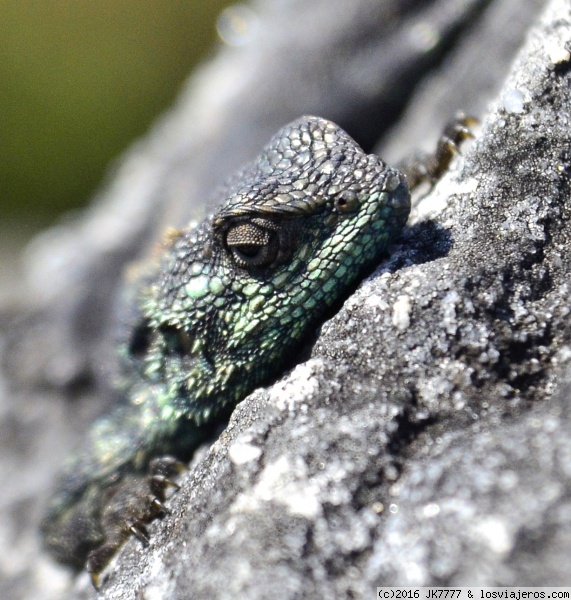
x=426, y=440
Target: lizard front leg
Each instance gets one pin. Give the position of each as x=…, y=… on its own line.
x=112, y=482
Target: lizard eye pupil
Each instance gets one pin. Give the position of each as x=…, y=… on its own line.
x=252, y=245
x=247, y=252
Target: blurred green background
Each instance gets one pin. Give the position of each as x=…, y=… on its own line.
x=79, y=80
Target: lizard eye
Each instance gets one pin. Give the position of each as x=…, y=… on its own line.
x=252, y=245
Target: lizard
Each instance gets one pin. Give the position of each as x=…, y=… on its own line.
x=221, y=308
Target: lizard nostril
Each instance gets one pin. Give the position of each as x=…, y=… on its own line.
x=140, y=340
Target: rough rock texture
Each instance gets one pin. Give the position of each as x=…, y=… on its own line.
x=426, y=440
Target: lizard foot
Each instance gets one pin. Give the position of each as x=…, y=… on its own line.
x=429, y=167
x=130, y=505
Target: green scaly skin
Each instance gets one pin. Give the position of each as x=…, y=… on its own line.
x=227, y=305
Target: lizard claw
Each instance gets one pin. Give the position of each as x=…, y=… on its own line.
x=140, y=532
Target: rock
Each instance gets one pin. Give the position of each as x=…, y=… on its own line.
x=426, y=438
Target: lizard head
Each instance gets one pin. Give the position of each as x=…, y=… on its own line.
x=296, y=231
